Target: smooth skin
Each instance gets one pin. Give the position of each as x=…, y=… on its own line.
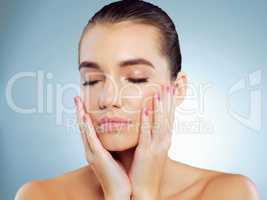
x=132, y=164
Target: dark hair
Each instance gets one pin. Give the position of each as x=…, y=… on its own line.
x=145, y=13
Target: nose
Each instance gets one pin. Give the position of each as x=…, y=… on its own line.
x=109, y=96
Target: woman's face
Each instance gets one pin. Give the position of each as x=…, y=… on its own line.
x=121, y=68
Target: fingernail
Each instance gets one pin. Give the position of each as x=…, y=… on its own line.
x=168, y=88
x=146, y=111
x=158, y=96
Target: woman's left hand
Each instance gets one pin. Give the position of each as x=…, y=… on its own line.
x=152, y=150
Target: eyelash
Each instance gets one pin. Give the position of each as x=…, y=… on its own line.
x=90, y=83
x=136, y=81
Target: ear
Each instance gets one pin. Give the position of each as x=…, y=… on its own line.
x=180, y=85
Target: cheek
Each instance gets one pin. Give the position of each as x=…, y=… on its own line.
x=89, y=99
x=136, y=100
x=131, y=100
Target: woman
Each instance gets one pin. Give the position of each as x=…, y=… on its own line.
x=130, y=67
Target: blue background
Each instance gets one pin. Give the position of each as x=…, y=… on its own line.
x=222, y=42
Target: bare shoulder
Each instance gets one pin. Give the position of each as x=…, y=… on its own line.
x=205, y=184
x=32, y=190
x=230, y=186
x=74, y=184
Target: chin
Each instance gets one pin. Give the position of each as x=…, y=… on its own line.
x=118, y=141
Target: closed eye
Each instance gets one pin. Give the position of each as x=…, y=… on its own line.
x=133, y=80
x=138, y=81
x=90, y=83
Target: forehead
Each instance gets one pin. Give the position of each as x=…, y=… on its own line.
x=106, y=43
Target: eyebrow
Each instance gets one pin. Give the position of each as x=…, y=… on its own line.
x=137, y=61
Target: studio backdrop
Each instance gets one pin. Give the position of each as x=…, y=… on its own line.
x=221, y=125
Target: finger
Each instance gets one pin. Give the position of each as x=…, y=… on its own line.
x=158, y=115
x=163, y=121
x=169, y=101
x=92, y=138
x=88, y=150
x=173, y=107
x=87, y=147
x=164, y=137
x=168, y=108
x=145, y=131
x=79, y=105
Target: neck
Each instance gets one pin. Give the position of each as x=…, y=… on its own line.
x=124, y=157
x=175, y=174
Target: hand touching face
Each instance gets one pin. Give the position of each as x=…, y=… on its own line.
x=119, y=71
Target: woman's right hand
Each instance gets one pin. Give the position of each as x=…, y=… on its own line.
x=110, y=173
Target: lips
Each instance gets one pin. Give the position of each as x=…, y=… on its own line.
x=113, y=124
x=119, y=120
